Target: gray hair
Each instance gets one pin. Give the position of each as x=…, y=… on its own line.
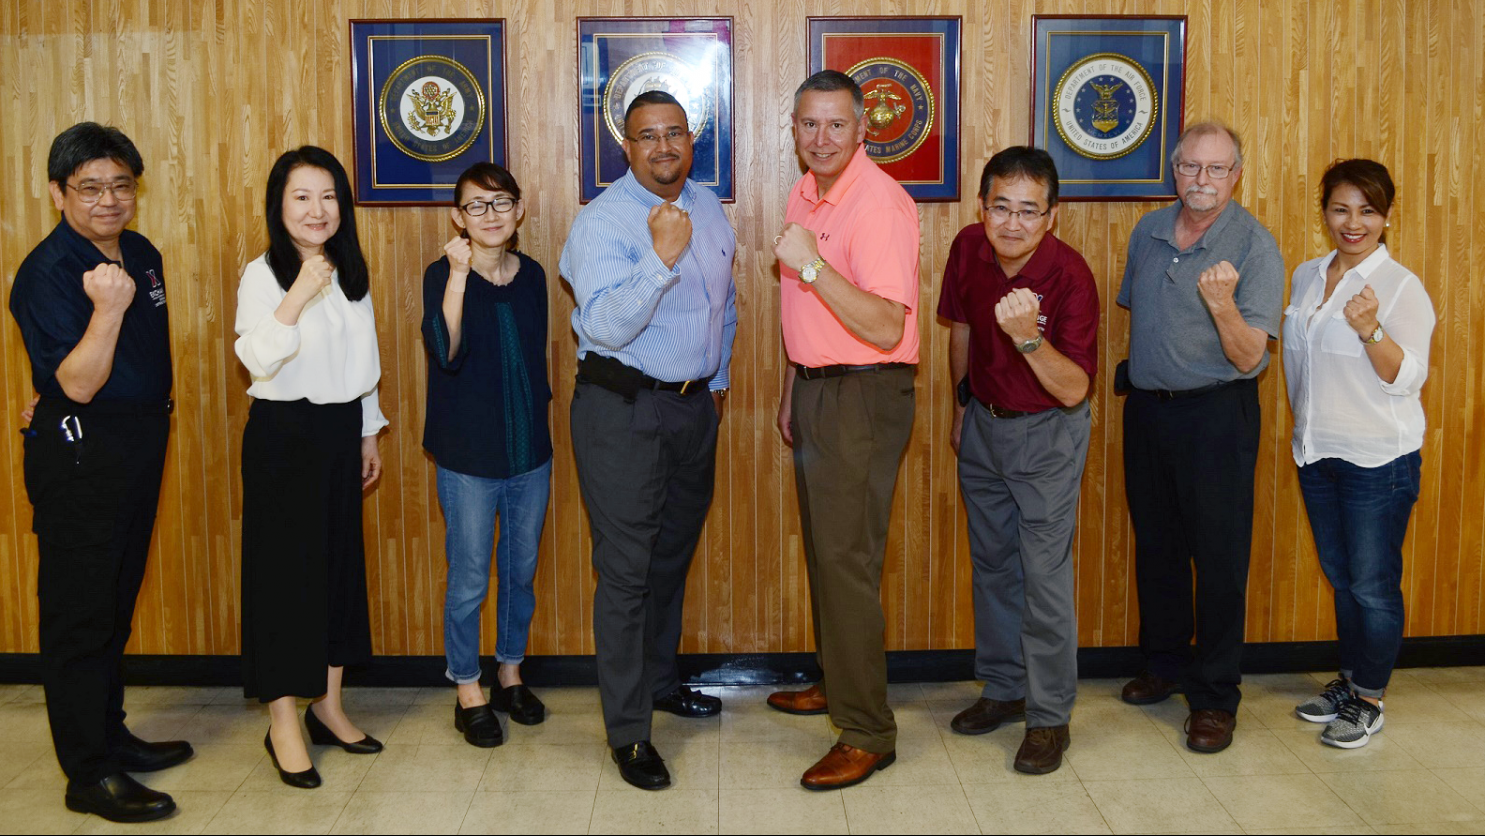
x=1207, y=128
x=831, y=81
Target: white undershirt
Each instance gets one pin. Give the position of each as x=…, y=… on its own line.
x=330, y=356
x=1342, y=408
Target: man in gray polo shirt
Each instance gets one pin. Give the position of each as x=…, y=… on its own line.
x=1204, y=285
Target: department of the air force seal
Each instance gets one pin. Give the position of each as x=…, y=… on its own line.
x=899, y=107
x=432, y=108
x=1105, y=106
x=654, y=71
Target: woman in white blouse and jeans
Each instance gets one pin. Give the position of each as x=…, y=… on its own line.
x=308, y=338
x=1356, y=336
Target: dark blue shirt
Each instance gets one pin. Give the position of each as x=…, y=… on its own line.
x=53, y=311
x=487, y=407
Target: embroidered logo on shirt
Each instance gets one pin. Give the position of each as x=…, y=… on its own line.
x=157, y=288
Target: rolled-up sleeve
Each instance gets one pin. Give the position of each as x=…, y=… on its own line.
x=723, y=378
x=263, y=343
x=1410, y=321
x=616, y=288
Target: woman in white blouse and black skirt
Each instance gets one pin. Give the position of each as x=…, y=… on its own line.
x=308, y=338
x=1356, y=337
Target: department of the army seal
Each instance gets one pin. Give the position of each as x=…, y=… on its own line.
x=655, y=71
x=1105, y=106
x=899, y=107
x=432, y=108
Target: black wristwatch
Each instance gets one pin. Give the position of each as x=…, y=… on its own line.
x=962, y=391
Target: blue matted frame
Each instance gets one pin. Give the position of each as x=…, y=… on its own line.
x=393, y=59
x=690, y=57
x=1112, y=140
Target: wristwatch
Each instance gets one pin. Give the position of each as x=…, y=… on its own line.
x=1376, y=336
x=1030, y=345
x=809, y=272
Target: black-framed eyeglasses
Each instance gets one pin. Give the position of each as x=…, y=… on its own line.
x=1001, y=214
x=1216, y=172
x=651, y=139
x=91, y=192
x=478, y=207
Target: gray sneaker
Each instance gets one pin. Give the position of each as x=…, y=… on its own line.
x=1322, y=707
x=1353, y=725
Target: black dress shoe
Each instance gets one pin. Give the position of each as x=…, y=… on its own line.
x=119, y=798
x=320, y=735
x=683, y=702
x=641, y=766
x=522, y=705
x=479, y=724
x=137, y=755
x=306, y=780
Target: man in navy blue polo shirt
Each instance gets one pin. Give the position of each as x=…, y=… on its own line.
x=90, y=303
x=1023, y=344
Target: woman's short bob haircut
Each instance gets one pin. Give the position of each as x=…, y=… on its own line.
x=490, y=177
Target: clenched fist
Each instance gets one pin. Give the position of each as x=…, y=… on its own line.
x=459, y=254
x=1016, y=314
x=314, y=276
x=110, y=289
x=1217, y=284
x=795, y=246
x=1361, y=312
x=670, y=229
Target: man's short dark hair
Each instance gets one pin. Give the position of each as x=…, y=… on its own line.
x=651, y=97
x=831, y=81
x=87, y=141
x=1021, y=161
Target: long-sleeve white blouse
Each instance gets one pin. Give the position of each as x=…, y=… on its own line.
x=329, y=356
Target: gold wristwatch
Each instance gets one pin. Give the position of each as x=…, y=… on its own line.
x=809, y=272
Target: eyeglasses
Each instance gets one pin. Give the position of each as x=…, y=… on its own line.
x=1216, y=172
x=90, y=192
x=501, y=205
x=651, y=139
x=1001, y=214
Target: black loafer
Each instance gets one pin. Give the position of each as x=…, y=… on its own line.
x=522, y=705
x=683, y=702
x=119, y=798
x=479, y=724
x=306, y=780
x=320, y=735
x=641, y=766
x=137, y=755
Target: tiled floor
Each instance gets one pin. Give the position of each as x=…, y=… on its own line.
x=1128, y=770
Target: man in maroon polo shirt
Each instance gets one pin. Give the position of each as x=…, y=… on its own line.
x=1023, y=348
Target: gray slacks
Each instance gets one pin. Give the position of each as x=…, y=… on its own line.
x=1020, y=478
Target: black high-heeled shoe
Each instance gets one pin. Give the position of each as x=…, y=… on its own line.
x=306, y=780
x=320, y=735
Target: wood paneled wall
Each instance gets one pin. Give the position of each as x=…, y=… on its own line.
x=212, y=92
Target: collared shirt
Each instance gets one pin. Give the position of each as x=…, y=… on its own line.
x=1342, y=409
x=1173, y=342
x=974, y=282
x=672, y=324
x=53, y=312
x=329, y=356
x=866, y=228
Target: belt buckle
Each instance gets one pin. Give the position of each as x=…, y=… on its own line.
x=684, y=386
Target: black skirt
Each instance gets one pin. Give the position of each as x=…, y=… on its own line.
x=303, y=559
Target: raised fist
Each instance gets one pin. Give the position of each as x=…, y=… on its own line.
x=1217, y=284
x=1016, y=314
x=795, y=246
x=109, y=288
x=670, y=229
x=1361, y=312
x=314, y=276
x=459, y=254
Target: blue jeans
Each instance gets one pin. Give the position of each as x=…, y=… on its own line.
x=1359, y=516
x=470, y=505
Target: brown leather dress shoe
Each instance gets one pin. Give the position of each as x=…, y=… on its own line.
x=986, y=715
x=844, y=766
x=1041, y=750
x=1209, y=730
x=1147, y=689
x=809, y=701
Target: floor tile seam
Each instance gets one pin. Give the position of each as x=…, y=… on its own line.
x=1373, y=824
x=1434, y=770
x=1359, y=817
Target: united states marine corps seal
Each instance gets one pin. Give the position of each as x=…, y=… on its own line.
x=431, y=108
x=899, y=107
x=1105, y=106
x=656, y=71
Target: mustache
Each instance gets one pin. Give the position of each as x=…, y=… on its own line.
x=1198, y=189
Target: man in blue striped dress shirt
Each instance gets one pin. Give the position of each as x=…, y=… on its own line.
x=650, y=264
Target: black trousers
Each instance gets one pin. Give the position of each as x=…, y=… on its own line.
x=303, y=557
x=646, y=469
x=94, y=502
x=1188, y=474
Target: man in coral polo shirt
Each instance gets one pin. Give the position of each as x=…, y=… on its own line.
x=848, y=263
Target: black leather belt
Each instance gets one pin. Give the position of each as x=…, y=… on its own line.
x=999, y=412
x=1177, y=394
x=114, y=406
x=817, y=372
x=625, y=380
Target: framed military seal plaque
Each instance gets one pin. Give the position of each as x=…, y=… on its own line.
x=429, y=98
x=908, y=69
x=620, y=58
x=1108, y=102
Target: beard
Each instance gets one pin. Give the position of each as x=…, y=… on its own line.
x=1200, y=198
